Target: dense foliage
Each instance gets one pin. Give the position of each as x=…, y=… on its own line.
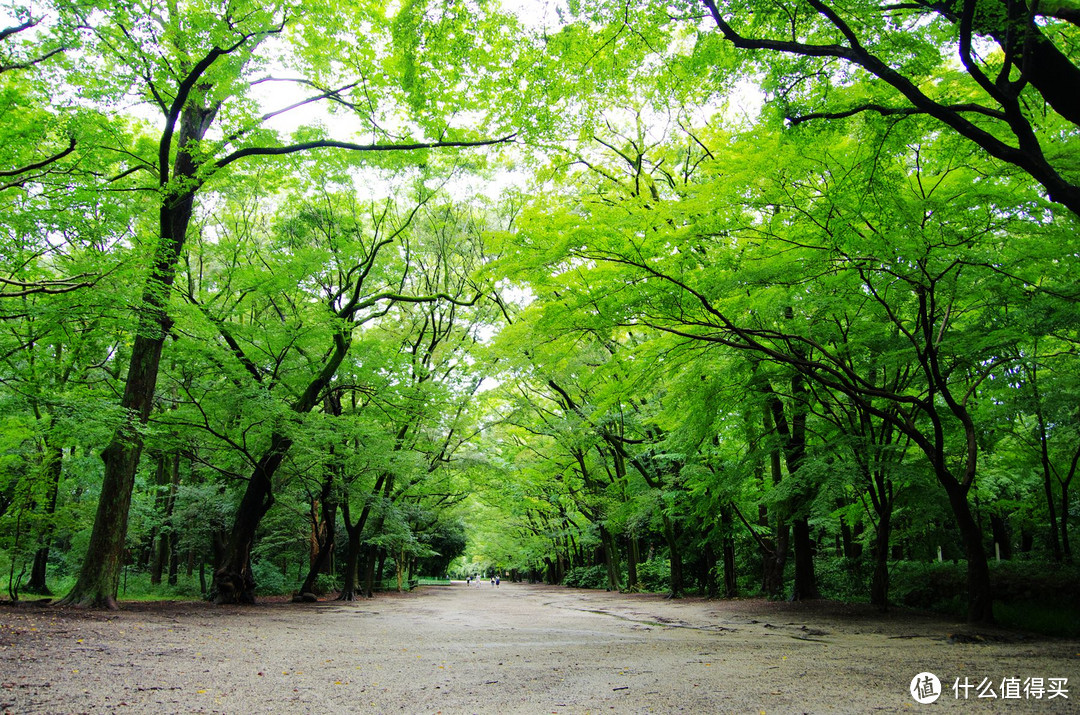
x=732, y=298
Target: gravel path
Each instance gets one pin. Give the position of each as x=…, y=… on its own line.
x=514, y=649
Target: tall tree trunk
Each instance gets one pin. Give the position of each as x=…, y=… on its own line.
x=633, y=557
x=1048, y=484
x=847, y=539
x=879, y=582
x=352, y=561
x=980, y=593
x=611, y=559
x=98, y=581
x=169, y=477
x=354, y=551
x=1027, y=540
x=174, y=562
x=1065, y=548
x=377, y=556
x=380, y=568
x=38, y=572
x=805, y=586
x=775, y=560
x=371, y=559
x=676, y=582
x=1064, y=482
x=707, y=574
x=1000, y=531
x=99, y=576
x=794, y=440
x=731, y=583
x=53, y=469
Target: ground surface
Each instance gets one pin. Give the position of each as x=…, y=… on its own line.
x=513, y=649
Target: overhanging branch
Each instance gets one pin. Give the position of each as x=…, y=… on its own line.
x=350, y=146
x=893, y=112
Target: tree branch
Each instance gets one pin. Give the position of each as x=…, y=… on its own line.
x=349, y=146
x=41, y=164
x=893, y=111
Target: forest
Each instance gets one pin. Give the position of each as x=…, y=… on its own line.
x=769, y=298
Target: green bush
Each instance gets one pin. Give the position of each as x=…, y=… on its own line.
x=1040, y=616
x=326, y=583
x=268, y=578
x=1033, y=596
x=927, y=585
x=185, y=588
x=844, y=579
x=586, y=577
x=654, y=575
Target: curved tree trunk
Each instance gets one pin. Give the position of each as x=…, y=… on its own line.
x=325, y=534
x=233, y=580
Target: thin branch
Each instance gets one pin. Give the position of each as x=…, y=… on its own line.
x=43, y=163
x=331, y=144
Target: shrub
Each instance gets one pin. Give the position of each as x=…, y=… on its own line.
x=844, y=579
x=927, y=585
x=1033, y=596
x=586, y=577
x=326, y=583
x=654, y=575
x=268, y=578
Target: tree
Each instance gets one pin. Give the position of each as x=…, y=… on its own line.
x=197, y=67
x=31, y=149
x=728, y=276
x=996, y=102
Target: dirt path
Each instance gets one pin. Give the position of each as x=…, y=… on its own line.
x=527, y=649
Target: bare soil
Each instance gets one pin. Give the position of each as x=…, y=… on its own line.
x=513, y=649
